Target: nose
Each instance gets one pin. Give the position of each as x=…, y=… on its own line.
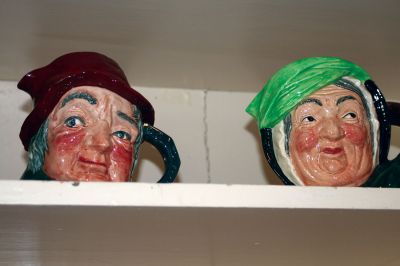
x=331, y=129
x=99, y=136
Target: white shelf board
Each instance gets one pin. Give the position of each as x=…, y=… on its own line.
x=52, y=223
x=42, y=193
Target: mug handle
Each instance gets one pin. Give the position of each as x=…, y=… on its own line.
x=166, y=146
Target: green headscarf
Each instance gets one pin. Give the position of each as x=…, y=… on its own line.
x=290, y=85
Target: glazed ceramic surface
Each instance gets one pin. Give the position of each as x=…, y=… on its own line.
x=330, y=140
x=88, y=123
x=91, y=135
x=323, y=122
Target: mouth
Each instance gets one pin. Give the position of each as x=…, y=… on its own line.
x=94, y=163
x=88, y=168
x=332, y=151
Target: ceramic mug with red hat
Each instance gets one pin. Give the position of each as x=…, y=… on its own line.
x=88, y=123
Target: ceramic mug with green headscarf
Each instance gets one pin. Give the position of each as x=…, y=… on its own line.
x=324, y=122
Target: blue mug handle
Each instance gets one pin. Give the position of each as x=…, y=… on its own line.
x=166, y=146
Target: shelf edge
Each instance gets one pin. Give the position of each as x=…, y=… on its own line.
x=39, y=193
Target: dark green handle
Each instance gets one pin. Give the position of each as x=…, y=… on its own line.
x=166, y=146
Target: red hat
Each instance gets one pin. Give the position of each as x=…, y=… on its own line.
x=48, y=84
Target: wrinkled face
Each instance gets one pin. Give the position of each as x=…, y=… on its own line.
x=91, y=136
x=330, y=143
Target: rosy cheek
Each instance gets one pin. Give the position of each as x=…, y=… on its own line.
x=121, y=155
x=355, y=134
x=68, y=141
x=304, y=140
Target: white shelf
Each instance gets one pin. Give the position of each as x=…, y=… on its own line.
x=46, y=223
x=42, y=193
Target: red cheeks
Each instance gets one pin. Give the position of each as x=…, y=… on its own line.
x=68, y=140
x=121, y=155
x=71, y=140
x=304, y=140
x=356, y=134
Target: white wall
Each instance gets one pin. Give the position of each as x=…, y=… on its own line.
x=217, y=141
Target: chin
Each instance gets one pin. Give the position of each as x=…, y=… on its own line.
x=83, y=177
x=336, y=180
x=95, y=177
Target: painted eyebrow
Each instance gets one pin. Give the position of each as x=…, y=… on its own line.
x=127, y=118
x=345, y=98
x=79, y=95
x=311, y=100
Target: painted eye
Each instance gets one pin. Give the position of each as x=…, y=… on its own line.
x=308, y=119
x=350, y=116
x=122, y=135
x=74, y=122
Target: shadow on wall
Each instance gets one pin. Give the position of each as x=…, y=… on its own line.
x=395, y=136
x=26, y=107
x=149, y=154
x=395, y=142
x=269, y=175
